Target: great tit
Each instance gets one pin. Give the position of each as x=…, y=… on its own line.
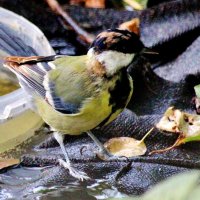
x=76, y=94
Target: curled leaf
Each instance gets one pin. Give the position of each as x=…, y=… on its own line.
x=182, y=123
x=176, y=121
x=170, y=121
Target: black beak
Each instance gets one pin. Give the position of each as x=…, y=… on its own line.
x=149, y=51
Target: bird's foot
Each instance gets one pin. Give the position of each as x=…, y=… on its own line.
x=107, y=156
x=75, y=173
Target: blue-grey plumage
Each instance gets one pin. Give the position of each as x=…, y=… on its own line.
x=75, y=94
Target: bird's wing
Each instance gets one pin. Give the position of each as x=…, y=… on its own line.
x=61, y=81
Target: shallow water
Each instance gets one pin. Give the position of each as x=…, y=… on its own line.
x=12, y=179
x=7, y=86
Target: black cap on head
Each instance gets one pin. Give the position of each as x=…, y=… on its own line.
x=117, y=40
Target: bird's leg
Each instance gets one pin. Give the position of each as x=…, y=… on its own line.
x=103, y=152
x=67, y=164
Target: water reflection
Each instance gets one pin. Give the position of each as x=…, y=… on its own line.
x=14, y=184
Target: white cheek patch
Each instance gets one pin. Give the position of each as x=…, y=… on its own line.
x=113, y=60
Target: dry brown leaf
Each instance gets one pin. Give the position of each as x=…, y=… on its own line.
x=95, y=3
x=176, y=121
x=127, y=146
x=76, y=2
x=8, y=163
x=186, y=125
x=132, y=26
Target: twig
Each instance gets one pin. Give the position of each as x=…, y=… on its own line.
x=55, y=7
x=124, y=170
x=177, y=143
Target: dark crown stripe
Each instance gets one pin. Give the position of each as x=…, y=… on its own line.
x=117, y=40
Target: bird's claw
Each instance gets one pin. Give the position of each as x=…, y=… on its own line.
x=75, y=173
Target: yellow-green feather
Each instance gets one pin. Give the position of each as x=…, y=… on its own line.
x=71, y=79
x=93, y=112
x=74, y=83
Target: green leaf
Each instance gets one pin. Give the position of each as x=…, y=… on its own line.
x=190, y=139
x=179, y=187
x=143, y=3
x=197, y=90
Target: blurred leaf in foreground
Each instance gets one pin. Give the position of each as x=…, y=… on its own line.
x=197, y=90
x=179, y=187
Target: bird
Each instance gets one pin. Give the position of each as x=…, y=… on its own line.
x=77, y=94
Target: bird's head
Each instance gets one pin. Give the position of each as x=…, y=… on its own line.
x=115, y=49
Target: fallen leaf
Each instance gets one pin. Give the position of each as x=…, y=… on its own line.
x=182, y=123
x=197, y=99
x=176, y=121
x=127, y=146
x=95, y=3
x=76, y=2
x=197, y=90
x=134, y=4
x=170, y=121
x=8, y=163
x=132, y=25
x=178, y=187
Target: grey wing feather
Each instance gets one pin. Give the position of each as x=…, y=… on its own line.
x=34, y=79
